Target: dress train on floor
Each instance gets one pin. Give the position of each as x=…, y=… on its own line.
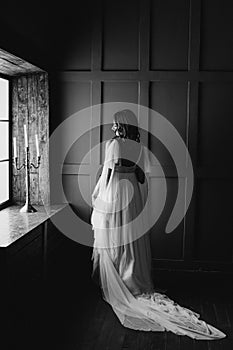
x=150, y=311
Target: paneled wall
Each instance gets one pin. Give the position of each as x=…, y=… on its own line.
x=30, y=106
x=175, y=57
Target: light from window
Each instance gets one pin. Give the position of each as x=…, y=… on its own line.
x=4, y=140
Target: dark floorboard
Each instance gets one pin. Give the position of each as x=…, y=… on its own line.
x=68, y=313
x=106, y=331
x=213, y=309
x=86, y=322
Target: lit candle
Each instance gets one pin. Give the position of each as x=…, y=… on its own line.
x=25, y=136
x=37, y=145
x=15, y=148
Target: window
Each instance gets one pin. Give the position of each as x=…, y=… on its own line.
x=4, y=143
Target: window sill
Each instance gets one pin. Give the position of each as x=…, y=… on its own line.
x=14, y=225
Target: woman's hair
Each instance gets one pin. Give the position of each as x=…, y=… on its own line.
x=127, y=124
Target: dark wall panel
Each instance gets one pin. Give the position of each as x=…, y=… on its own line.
x=213, y=226
x=120, y=36
x=170, y=100
x=166, y=246
x=215, y=124
x=78, y=55
x=169, y=34
x=73, y=195
x=77, y=96
x=120, y=91
x=72, y=36
x=216, y=35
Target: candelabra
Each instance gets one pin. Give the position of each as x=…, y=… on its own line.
x=27, y=208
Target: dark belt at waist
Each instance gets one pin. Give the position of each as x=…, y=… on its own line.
x=125, y=169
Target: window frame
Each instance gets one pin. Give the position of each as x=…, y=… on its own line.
x=9, y=202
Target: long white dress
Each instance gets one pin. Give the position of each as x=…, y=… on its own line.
x=122, y=254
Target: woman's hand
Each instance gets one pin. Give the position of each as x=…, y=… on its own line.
x=93, y=199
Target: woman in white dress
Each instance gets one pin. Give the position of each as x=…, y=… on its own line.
x=121, y=251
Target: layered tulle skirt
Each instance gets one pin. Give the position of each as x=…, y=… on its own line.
x=122, y=256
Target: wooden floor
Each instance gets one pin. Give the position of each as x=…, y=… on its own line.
x=104, y=331
x=68, y=313
x=89, y=323
x=82, y=320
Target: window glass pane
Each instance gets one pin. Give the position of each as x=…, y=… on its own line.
x=4, y=140
x=4, y=98
x=4, y=181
